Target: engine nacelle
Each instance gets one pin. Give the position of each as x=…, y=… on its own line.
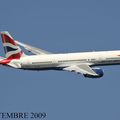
x=98, y=71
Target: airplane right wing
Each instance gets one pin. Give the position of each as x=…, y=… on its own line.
x=85, y=70
x=32, y=49
x=82, y=69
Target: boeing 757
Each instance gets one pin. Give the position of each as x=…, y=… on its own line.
x=85, y=63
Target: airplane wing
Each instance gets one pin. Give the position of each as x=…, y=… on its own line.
x=32, y=49
x=81, y=69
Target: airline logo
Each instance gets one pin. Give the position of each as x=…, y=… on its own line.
x=11, y=49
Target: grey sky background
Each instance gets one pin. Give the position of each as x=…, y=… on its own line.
x=62, y=26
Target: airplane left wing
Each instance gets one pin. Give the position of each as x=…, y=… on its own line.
x=32, y=49
x=82, y=69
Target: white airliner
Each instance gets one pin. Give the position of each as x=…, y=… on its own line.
x=82, y=63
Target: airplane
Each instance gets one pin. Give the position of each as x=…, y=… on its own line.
x=85, y=63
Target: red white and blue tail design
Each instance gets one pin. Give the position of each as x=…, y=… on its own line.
x=12, y=50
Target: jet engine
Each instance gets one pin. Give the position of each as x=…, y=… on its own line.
x=98, y=71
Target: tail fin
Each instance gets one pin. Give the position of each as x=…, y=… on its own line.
x=12, y=50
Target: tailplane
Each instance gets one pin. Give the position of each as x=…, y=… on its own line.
x=12, y=50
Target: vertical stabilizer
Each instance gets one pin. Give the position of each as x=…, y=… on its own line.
x=12, y=50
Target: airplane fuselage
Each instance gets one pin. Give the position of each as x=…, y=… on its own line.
x=58, y=61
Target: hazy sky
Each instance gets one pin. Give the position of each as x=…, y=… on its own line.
x=62, y=26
